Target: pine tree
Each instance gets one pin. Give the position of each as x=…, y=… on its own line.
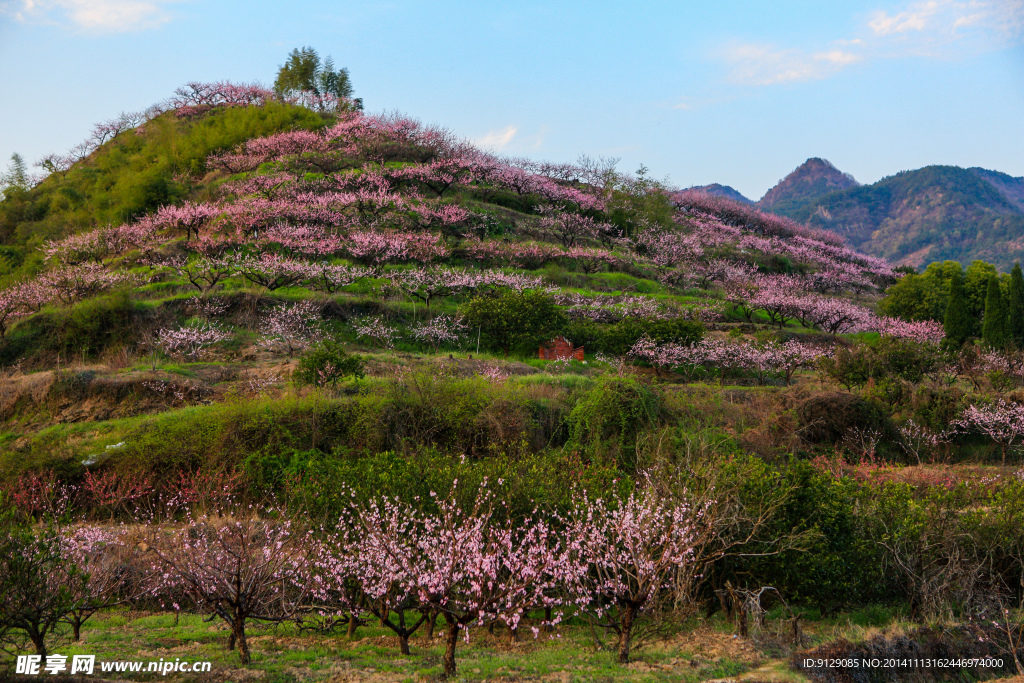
x=958, y=323
x=1015, y=304
x=994, y=326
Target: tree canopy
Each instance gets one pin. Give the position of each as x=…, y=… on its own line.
x=304, y=76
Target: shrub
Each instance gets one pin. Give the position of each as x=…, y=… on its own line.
x=511, y=319
x=619, y=338
x=88, y=328
x=829, y=418
x=612, y=415
x=839, y=566
x=327, y=363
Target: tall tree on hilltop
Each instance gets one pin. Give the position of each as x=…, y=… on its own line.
x=1015, y=303
x=957, y=323
x=16, y=179
x=994, y=327
x=303, y=75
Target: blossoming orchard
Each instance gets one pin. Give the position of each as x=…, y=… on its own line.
x=288, y=384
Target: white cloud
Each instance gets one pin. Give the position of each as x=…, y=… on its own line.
x=928, y=28
x=497, y=140
x=766, y=65
x=91, y=15
x=916, y=18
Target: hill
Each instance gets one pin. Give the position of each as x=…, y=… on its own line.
x=916, y=217
x=723, y=191
x=813, y=178
x=357, y=339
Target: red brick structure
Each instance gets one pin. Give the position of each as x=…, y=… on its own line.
x=560, y=348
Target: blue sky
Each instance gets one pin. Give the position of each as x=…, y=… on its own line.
x=733, y=92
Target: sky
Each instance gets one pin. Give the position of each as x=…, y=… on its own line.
x=738, y=93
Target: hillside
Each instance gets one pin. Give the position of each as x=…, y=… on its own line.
x=718, y=190
x=917, y=217
x=813, y=178
x=434, y=387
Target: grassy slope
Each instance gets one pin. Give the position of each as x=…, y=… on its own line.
x=406, y=424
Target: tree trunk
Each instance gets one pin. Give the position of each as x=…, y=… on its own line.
x=451, y=640
x=431, y=622
x=76, y=629
x=547, y=621
x=353, y=624
x=626, y=633
x=239, y=637
x=38, y=641
x=403, y=644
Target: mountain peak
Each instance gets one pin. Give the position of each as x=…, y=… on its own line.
x=814, y=177
x=720, y=190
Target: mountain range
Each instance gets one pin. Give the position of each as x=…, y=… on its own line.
x=911, y=218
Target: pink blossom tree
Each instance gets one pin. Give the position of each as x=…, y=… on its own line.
x=202, y=273
x=249, y=565
x=631, y=552
x=74, y=283
x=190, y=342
x=102, y=555
x=296, y=326
x=1001, y=421
x=377, y=330
x=467, y=564
x=441, y=329
x=21, y=300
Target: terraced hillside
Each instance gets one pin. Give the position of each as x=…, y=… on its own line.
x=428, y=386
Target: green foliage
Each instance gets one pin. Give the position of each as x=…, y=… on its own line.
x=1015, y=305
x=304, y=73
x=510, y=319
x=830, y=418
x=84, y=330
x=848, y=367
x=976, y=279
x=958, y=322
x=637, y=203
x=924, y=296
x=140, y=170
x=324, y=483
x=887, y=358
x=994, y=328
x=327, y=364
x=610, y=417
x=37, y=583
x=15, y=181
x=838, y=565
x=619, y=338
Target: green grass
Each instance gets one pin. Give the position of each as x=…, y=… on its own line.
x=282, y=653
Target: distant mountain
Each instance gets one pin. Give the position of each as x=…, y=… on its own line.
x=723, y=191
x=914, y=217
x=1011, y=188
x=813, y=178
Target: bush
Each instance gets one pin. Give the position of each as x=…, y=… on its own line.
x=840, y=566
x=619, y=338
x=612, y=415
x=327, y=363
x=829, y=418
x=88, y=329
x=510, y=319
x=887, y=358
